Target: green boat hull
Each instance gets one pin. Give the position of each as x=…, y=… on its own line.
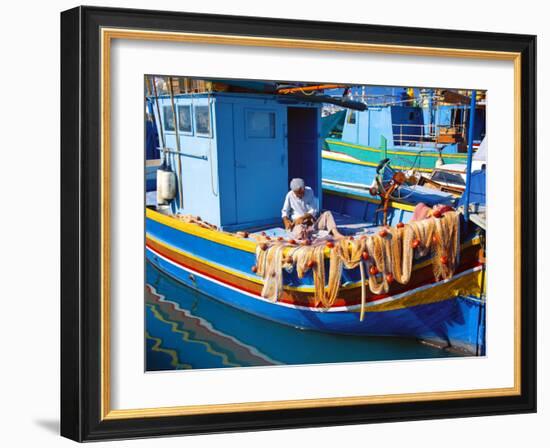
x=423, y=160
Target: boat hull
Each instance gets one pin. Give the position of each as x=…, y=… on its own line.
x=420, y=313
x=402, y=159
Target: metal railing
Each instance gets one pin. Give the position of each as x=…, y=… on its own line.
x=404, y=134
x=181, y=153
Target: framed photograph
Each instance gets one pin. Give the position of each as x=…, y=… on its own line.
x=275, y=224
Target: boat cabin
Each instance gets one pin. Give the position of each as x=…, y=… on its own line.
x=396, y=125
x=426, y=126
x=234, y=154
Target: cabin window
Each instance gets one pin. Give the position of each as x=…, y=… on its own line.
x=352, y=117
x=184, y=119
x=260, y=124
x=168, y=119
x=202, y=120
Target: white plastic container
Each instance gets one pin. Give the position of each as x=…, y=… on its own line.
x=166, y=186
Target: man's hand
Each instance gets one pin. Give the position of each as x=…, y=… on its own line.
x=288, y=223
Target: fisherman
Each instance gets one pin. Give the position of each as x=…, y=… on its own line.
x=300, y=210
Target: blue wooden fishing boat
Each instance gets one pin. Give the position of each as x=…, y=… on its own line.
x=418, y=129
x=216, y=227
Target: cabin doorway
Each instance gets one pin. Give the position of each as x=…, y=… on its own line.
x=304, y=147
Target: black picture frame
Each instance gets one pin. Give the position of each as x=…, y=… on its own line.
x=81, y=210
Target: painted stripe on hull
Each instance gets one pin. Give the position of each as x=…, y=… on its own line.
x=431, y=321
x=348, y=296
x=345, y=158
x=216, y=236
x=425, y=153
x=461, y=284
x=369, y=158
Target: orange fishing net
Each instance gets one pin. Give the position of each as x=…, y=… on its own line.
x=195, y=220
x=384, y=257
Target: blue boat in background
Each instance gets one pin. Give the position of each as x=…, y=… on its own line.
x=417, y=129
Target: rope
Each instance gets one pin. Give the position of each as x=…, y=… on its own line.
x=190, y=219
x=386, y=257
x=269, y=264
x=363, y=292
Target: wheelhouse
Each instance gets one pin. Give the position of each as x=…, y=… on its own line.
x=234, y=154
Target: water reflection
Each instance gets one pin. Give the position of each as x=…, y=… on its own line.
x=188, y=330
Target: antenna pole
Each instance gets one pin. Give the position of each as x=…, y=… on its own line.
x=470, y=154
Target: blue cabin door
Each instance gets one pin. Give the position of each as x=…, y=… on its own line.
x=261, y=163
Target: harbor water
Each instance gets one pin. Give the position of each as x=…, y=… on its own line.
x=185, y=329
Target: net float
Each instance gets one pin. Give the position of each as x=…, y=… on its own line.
x=373, y=270
x=437, y=214
x=389, y=277
x=330, y=244
x=311, y=264
x=415, y=243
x=400, y=225
x=263, y=246
x=254, y=268
x=365, y=255
x=444, y=259
x=383, y=233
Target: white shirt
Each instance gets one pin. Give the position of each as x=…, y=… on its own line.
x=294, y=207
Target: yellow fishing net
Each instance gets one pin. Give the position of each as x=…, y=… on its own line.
x=382, y=258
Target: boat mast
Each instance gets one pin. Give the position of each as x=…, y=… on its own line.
x=470, y=154
x=176, y=125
